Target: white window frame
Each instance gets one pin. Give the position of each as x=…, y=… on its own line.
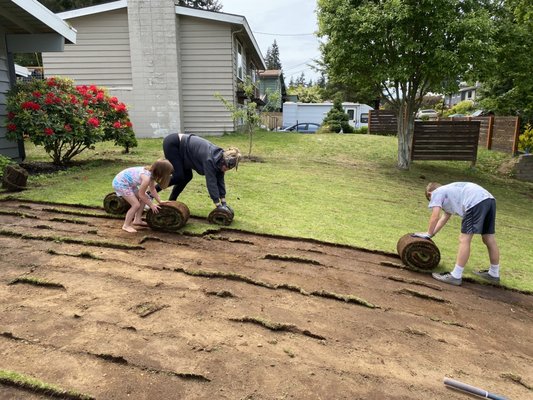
x=240, y=61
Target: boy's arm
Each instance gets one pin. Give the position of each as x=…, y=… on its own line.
x=437, y=221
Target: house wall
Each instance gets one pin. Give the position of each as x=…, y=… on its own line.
x=207, y=67
x=101, y=55
x=7, y=148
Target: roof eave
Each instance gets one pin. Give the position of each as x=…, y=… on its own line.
x=47, y=17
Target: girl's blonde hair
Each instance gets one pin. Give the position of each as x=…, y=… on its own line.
x=431, y=186
x=161, y=172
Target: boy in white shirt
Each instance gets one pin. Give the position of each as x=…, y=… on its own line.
x=477, y=207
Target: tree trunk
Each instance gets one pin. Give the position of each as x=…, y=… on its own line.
x=406, y=125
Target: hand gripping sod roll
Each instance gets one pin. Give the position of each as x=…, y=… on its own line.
x=418, y=252
x=471, y=389
x=172, y=216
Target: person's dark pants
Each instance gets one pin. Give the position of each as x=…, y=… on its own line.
x=181, y=175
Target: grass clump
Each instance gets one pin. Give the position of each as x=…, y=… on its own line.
x=26, y=382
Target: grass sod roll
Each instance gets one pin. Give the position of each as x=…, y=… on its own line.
x=418, y=252
x=220, y=217
x=172, y=216
x=114, y=204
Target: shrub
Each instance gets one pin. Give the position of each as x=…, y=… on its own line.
x=4, y=162
x=525, y=140
x=336, y=118
x=66, y=119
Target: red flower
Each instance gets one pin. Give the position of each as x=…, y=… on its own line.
x=48, y=131
x=113, y=100
x=11, y=127
x=117, y=125
x=37, y=94
x=51, y=82
x=93, y=122
x=49, y=100
x=85, y=102
x=10, y=115
x=68, y=128
x=30, y=105
x=129, y=124
x=100, y=96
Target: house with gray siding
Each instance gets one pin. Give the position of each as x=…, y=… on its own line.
x=26, y=26
x=164, y=61
x=271, y=82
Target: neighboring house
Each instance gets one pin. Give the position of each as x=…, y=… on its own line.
x=271, y=82
x=164, y=61
x=466, y=92
x=25, y=27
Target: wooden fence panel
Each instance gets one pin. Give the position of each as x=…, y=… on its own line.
x=445, y=140
x=382, y=122
x=505, y=134
x=272, y=120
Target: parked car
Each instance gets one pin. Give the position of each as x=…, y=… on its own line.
x=427, y=114
x=456, y=115
x=303, y=127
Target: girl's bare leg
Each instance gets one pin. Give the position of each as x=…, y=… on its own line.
x=130, y=215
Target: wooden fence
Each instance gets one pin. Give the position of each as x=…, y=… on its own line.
x=495, y=133
x=382, y=122
x=272, y=120
x=445, y=140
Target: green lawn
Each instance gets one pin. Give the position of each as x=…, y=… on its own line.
x=335, y=188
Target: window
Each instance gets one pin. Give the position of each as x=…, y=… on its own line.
x=240, y=62
x=350, y=114
x=364, y=118
x=253, y=73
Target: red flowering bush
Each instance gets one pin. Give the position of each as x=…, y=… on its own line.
x=66, y=119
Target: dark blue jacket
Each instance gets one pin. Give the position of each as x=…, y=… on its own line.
x=205, y=158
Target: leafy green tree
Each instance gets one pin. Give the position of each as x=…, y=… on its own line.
x=507, y=87
x=66, y=5
x=246, y=114
x=403, y=49
x=272, y=59
x=311, y=94
x=209, y=5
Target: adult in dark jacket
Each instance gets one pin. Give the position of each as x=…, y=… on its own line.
x=190, y=152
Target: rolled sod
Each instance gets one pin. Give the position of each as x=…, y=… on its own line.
x=114, y=204
x=220, y=217
x=418, y=252
x=15, y=178
x=172, y=216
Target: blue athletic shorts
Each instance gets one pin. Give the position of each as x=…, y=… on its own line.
x=481, y=218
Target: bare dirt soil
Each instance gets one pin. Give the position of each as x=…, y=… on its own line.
x=231, y=315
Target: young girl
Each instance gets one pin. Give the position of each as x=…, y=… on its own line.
x=133, y=183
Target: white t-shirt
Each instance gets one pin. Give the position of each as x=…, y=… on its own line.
x=458, y=197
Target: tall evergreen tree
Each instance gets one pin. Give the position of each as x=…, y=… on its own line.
x=209, y=5
x=272, y=57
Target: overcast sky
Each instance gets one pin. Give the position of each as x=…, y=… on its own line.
x=292, y=23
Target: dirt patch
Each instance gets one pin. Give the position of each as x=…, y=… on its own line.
x=231, y=315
